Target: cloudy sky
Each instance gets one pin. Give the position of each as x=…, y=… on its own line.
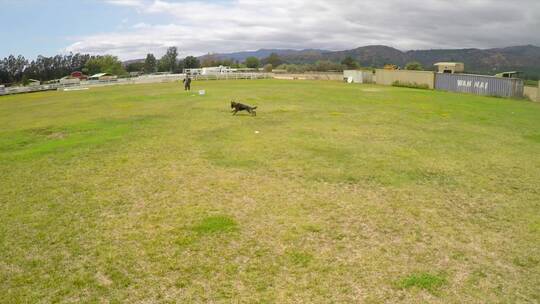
x=132, y=28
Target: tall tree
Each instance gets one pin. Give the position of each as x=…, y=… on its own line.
x=273, y=59
x=349, y=62
x=135, y=66
x=150, y=64
x=168, y=61
x=15, y=67
x=105, y=64
x=252, y=62
x=326, y=65
x=191, y=62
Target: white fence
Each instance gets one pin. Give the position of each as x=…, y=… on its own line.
x=232, y=76
x=28, y=89
x=162, y=78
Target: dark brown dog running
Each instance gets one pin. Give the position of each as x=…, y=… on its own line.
x=238, y=107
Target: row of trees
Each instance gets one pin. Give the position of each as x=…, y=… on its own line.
x=18, y=69
x=320, y=66
x=168, y=63
x=350, y=63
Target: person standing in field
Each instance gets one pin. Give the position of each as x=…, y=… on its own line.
x=187, y=83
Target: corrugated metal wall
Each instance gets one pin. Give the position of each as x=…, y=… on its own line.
x=481, y=85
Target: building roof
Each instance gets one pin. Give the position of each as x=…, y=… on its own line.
x=100, y=75
x=449, y=63
x=511, y=73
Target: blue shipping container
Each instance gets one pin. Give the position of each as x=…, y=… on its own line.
x=480, y=85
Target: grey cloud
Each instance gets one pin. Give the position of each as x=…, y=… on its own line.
x=250, y=24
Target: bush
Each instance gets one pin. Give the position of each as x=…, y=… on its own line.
x=414, y=66
x=252, y=62
x=268, y=68
x=293, y=68
x=410, y=85
x=327, y=65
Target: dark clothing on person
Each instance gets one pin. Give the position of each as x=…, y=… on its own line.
x=187, y=84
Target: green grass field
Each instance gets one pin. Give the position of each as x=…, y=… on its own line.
x=348, y=194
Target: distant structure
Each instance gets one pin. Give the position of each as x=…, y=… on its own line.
x=391, y=67
x=210, y=70
x=33, y=82
x=450, y=67
x=135, y=74
x=103, y=77
x=69, y=80
x=512, y=74
x=79, y=75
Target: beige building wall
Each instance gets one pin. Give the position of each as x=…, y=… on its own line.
x=532, y=93
x=311, y=76
x=388, y=77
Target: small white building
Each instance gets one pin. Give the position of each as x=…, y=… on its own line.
x=450, y=67
x=192, y=72
x=356, y=76
x=217, y=70
x=210, y=71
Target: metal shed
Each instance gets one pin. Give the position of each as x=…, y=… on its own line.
x=479, y=84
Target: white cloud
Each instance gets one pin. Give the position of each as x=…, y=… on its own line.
x=200, y=26
x=135, y=3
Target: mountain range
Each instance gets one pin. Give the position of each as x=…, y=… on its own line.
x=524, y=58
